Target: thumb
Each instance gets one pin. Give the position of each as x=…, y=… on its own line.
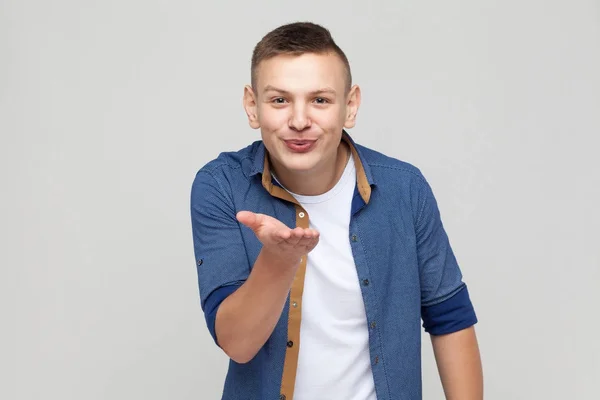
x=250, y=219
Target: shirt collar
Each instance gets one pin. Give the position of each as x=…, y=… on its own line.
x=364, y=178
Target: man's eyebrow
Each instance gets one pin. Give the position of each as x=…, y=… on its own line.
x=325, y=90
x=329, y=90
x=270, y=88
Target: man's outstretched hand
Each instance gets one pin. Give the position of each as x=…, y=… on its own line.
x=245, y=320
x=283, y=243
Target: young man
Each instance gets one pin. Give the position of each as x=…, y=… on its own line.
x=317, y=257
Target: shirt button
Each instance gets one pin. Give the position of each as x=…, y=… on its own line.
x=282, y=397
x=290, y=343
x=373, y=325
x=354, y=238
x=294, y=304
x=301, y=214
x=366, y=282
x=200, y=261
x=376, y=359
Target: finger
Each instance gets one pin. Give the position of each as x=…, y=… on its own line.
x=249, y=219
x=311, y=236
x=281, y=235
x=307, y=235
x=311, y=244
x=311, y=233
x=316, y=232
x=296, y=235
x=298, y=232
x=305, y=242
x=303, y=236
x=254, y=221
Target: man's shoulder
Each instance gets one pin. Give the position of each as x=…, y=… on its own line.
x=228, y=171
x=385, y=166
x=241, y=159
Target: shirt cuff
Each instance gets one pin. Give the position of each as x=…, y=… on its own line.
x=451, y=315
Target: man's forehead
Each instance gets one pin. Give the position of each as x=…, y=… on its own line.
x=285, y=70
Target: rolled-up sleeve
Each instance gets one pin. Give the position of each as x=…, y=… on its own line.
x=221, y=260
x=445, y=302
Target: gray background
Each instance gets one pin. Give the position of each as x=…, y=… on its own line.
x=107, y=110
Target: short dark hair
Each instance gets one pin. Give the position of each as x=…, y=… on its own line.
x=296, y=39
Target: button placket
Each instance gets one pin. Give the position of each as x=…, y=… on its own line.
x=292, y=344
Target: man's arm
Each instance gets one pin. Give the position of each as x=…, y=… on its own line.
x=246, y=318
x=459, y=364
x=242, y=303
x=446, y=309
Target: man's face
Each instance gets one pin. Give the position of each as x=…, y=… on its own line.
x=301, y=105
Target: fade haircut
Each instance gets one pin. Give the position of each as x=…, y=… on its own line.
x=296, y=39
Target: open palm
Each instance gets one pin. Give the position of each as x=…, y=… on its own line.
x=278, y=238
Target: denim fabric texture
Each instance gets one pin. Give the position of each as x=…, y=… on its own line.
x=408, y=274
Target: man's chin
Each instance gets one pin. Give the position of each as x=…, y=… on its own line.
x=299, y=168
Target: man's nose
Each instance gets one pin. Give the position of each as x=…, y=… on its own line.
x=299, y=119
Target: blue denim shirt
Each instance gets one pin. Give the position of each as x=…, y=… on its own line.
x=406, y=267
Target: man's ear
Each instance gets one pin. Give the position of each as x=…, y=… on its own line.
x=352, y=104
x=251, y=107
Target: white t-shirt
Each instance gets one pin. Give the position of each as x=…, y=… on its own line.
x=334, y=361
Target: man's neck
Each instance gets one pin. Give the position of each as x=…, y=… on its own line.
x=314, y=183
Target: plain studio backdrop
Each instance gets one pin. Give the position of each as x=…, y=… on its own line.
x=108, y=109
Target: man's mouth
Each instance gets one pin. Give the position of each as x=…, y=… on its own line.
x=300, y=146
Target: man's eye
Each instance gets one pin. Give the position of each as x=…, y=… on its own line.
x=279, y=100
x=320, y=100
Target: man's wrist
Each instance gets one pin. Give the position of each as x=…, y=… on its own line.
x=279, y=263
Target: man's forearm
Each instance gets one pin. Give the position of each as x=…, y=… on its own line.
x=459, y=364
x=246, y=319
